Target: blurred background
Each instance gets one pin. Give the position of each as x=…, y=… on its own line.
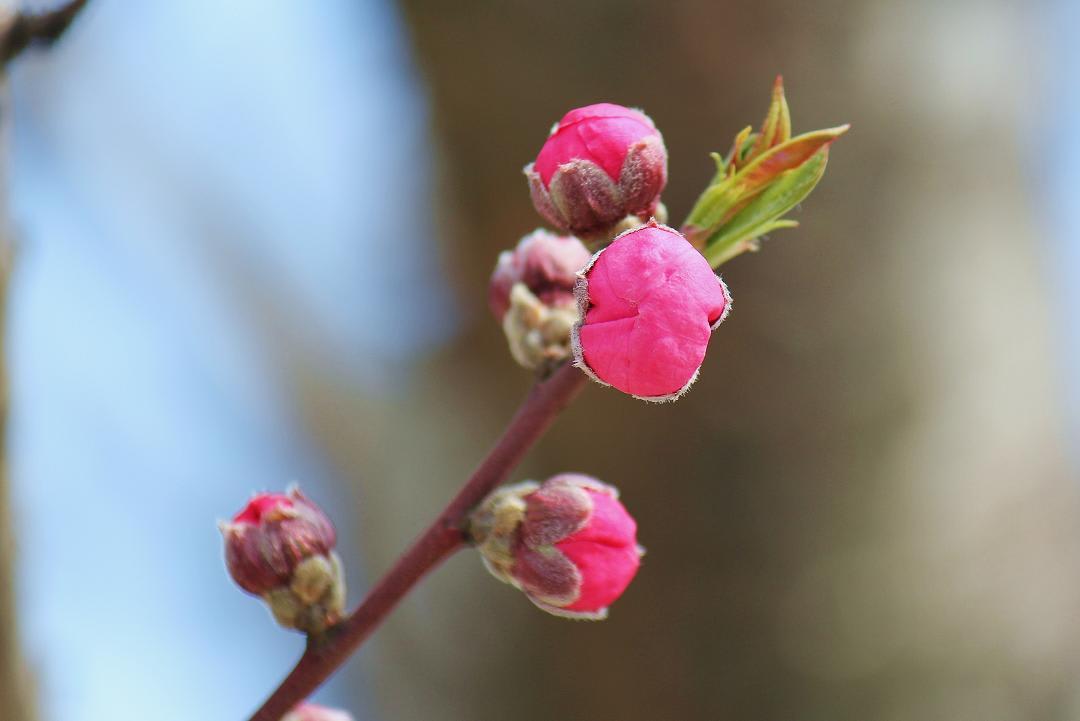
x=251, y=247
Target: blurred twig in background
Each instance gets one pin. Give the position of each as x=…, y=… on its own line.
x=18, y=31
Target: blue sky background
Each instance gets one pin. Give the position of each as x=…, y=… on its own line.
x=174, y=166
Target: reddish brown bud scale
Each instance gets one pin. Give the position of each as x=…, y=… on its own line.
x=271, y=536
x=281, y=547
x=569, y=543
x=601, y=164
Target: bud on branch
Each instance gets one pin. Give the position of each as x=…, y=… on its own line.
x=601, y=164
x=532, y=293
x=567, y=543
x=280, y=547
x=648, y=304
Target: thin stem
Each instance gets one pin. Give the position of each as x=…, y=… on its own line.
x=444, y=536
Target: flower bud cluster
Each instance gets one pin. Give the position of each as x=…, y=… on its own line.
x=637, y=314
x=281, y=547
x=647, y=302
x=599, y=175
x=600, y=172
x=648, y=299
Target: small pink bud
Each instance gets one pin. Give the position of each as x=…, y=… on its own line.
x=280, y=547
x=601, y=164
x=649, y=302
x=546, y=263
x=532, y=293
x=314, y=712
x=568, y=543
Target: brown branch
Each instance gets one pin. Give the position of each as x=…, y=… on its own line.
x=444, y=536
x=26, y=29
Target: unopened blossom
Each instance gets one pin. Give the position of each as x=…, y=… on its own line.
x=568, y=543
x=649, y=303
x=280, y=547
x=545, y=262
x=531, y=293
x=314, y=712
x=601, y=164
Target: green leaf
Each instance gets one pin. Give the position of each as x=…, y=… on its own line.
x=776, y=128
x=765, y=168
x=731, y=160
x=764, y=212
x=727, y=195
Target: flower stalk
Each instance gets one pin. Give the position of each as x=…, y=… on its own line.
x=326, y=652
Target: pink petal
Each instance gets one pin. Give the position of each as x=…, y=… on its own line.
x=601, y=133
x=260, y=505
x=652, y=302
x=605, y=552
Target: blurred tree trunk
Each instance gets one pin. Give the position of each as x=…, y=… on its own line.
x=862, y=510
x=15, y=682
x=15, y=687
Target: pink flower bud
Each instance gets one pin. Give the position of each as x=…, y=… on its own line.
x=649, y=302
x=546, y=263
x=569, y=543
x=532, y=294
x=314, y=712
x=280, y=547
x=601, y=163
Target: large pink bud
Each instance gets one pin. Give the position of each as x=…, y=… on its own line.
x=601, y=164
x=648, y=303
x=281, y=547
x=568, y=543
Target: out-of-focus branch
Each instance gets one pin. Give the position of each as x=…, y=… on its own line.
x=20, y=30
